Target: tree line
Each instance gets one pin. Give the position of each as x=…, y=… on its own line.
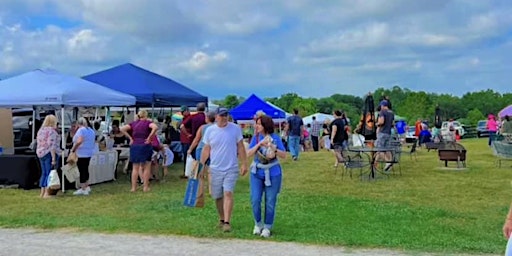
x=413, y=105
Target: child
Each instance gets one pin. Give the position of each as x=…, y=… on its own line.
x=457, y=135
x=168, y=159
x=158, y=149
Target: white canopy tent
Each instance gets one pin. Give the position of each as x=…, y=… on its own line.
x=50, y=88
x=320, y=117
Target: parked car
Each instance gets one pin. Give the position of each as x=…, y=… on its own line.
x=22, y=126
x=445, y=129
x=411, y=132
x=481, y=129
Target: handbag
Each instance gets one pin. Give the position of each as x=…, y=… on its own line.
x=72, y=158
x=71, y=172
x=53, y=180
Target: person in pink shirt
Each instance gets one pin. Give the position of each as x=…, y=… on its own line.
x=492, y=127
x=48, y=151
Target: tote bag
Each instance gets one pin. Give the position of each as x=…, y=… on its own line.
x=189, y=165
x=53, y=180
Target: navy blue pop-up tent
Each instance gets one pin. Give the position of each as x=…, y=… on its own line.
x=149, y=89
x=247, y=109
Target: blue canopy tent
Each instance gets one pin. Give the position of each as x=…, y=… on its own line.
x=54, y=89
x=150, y=89
x=247, y=109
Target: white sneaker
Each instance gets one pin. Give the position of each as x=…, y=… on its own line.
x=257, y=230
x=81, y=192
x=88, y=189
x=265, y=233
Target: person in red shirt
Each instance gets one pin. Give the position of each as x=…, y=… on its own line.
x=194, y=122
x=417, y=127
x=185, y=136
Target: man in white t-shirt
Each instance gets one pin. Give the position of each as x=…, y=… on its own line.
x=223, y=145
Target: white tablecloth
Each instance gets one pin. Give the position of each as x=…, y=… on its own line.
x=124, y=152
x=103, y=166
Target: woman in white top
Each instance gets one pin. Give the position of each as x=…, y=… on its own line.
x=83, y=145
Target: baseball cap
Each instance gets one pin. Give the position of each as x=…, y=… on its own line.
x=222, y=111
x=384, y=103
x=184, y=108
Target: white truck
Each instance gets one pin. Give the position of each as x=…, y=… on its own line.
x=457, y=126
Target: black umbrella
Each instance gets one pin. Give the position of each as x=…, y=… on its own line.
x=437, y=118
x=368, y=129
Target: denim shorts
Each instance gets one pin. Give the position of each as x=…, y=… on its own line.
x=383, y=140
x=223, y=181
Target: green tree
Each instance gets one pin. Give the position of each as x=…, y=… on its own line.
x=325, y=105
x=231, y=101
x=416, y=105
x=287, y=100
x=474, y=116
x=451, y=106
x=306, y=107
x=487, y=101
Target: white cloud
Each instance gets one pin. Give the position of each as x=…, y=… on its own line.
x=201, y=60
x=81, y=40
x=276, y=46
x=390, y=65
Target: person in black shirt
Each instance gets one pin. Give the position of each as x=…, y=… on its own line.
x=118, y=136
x=339, y=134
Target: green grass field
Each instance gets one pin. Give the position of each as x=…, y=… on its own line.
x=427, y=209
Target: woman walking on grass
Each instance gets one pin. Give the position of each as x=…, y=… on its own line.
x=48, y=151
x=199, y=143
x=266, y=174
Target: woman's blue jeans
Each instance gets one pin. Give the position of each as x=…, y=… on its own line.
x=46, y=167
x=257, y=189
x=491, y=137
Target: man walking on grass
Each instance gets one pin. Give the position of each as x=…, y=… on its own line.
x=315, y=133
x=223, y=145
x=295, y=134
x=385, y=124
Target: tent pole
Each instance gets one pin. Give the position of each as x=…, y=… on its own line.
x=33, y=123
x=63, y=145
x=153, y=111
x=96, y=115
x=108, y=119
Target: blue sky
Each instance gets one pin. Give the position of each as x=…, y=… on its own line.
x=313, y=48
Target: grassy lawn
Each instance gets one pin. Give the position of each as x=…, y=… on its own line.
x=426, y=209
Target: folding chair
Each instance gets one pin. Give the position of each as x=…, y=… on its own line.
x=351, y=160
x=413, y=151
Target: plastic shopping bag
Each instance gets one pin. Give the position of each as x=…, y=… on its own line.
x=189, y=166
x=53, y=180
